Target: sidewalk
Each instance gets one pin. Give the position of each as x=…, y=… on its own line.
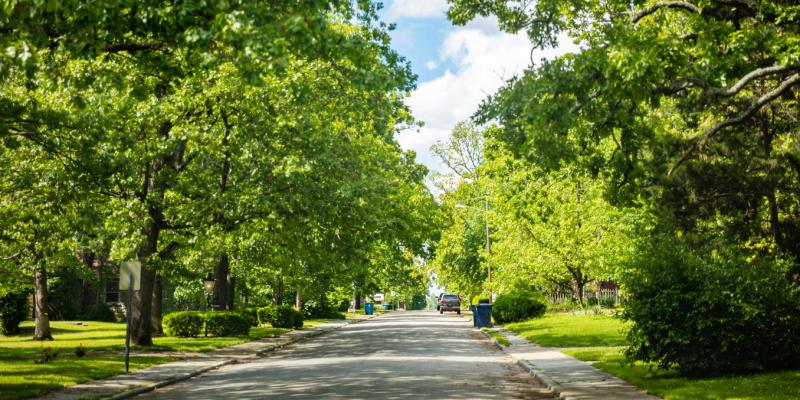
x=147, y=379
x=567, y=377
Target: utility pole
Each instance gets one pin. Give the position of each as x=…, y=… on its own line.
x=488, y=246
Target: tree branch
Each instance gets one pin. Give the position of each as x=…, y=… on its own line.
x=667, y=4
x=132, y=47
x=700, y=141
x=738, y=86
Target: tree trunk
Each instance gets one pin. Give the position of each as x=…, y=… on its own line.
x=142, y=330
x=277, y=292
x=356, y=301
x=298, y=298
x=42, y=328
x=221, y=283
x=158, y=299
x=231, y=291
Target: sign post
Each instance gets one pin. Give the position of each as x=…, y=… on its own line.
x=130, y=276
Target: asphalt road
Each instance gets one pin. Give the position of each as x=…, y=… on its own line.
x=402, y=355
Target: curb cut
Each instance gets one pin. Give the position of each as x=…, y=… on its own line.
x=260, y=353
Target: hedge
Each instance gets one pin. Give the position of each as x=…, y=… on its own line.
x=518, y=305
x=183, y=323
x=227, y=323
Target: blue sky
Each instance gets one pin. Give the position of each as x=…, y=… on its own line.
x=458, y=67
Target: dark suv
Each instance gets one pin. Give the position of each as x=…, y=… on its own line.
x=449, y=302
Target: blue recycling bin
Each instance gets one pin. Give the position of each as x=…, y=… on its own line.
x=386, y=307
x=369, y=308
x=482, y=316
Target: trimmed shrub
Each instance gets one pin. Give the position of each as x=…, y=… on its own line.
x=251, y=313
x=227, y=323
x=298, y=318
x=518, y=305
x=183, y=323
x=710, y=312
x=284, y=317
x=317, y=310
x=266, y=314
x=13, y=310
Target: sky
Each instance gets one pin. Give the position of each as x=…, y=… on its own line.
x=457, y=67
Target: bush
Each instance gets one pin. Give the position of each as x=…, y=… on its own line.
x=183, y=323
x=710, y=312
x=227, y=323
x=251, y=313
x=99, y=313
x=284, y=317
x=608, y=302
x=313, y=309
x=266, y=314
x=518, y=305
x=281, y=316
x=13, y=310
x=298, y=318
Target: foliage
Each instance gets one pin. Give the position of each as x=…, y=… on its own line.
x=518, y=305
x=297, y=323
x=479, y=299
x=227, y=323
x=266, y=314
x=418, y=302
x=700, y=314
x=184, y=323
x=13, y=310
x=252, y=314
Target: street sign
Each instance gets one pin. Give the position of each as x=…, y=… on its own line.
x=393, y=293
x=130, y=276
x=126, y=269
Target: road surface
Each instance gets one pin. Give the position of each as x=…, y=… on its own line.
x=401, y=355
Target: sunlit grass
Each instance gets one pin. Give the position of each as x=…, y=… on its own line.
x=668, y=385
x=20, y=378
x=568, y=329
x=497, y=336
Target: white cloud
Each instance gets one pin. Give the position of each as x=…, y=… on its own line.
x=483, y=59
x=431, y=65
x=416, y=9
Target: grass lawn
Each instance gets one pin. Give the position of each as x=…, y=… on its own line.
x=566, y=329
x=497, y=336
x=764, y=386
x=20, y=377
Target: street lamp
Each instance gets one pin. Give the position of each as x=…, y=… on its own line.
x=208, y=288
x=488, y=243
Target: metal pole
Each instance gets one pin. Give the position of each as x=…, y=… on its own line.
x=130, y=314
x=488, y=247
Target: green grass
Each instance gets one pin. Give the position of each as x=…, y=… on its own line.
x=566, y=329
x=20, y=377
x=764, y=386
x=110, y=336
x=497, y=336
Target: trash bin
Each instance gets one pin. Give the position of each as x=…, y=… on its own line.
x=482, y=316
x=368, y=308
x=387, y=307
x=474, y=321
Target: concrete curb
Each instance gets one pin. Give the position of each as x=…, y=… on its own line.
x=545, y=380
x=260, y=353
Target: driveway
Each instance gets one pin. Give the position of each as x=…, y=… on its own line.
x=401, y=355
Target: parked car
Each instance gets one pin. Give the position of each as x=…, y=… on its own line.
x=439, y=300
x=449, y=302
